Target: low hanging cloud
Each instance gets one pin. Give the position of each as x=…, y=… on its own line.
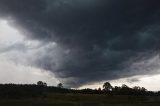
x=88, y=40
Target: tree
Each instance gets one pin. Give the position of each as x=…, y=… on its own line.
x=143, y=89
x=60, y=85
x=44, y=84
x=107, y=86
x=137, y=88
x=116, y=89
x=99, y=89
x=124, y=86
x=40, y=83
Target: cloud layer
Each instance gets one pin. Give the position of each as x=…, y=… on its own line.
x=89, y=40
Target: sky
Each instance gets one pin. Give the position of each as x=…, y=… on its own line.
x=81, y=43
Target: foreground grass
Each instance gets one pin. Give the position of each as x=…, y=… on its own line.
x=83, y=100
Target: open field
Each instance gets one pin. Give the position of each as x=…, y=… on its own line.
x=83, y=100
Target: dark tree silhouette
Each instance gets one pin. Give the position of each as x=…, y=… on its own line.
x=99, y=89
x=116, y=89
x=41, y=89
x=124, y=86
x=143, y=89
x=137, y=88
x=107, y=86
x=60, y=85
x=41, y=83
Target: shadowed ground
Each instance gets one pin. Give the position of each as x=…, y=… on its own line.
x=83, y=100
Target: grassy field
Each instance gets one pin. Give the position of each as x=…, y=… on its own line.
x=83, y=100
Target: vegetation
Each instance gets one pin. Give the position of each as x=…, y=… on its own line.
x=40, y=83
x=60, y=85
x=83, y=100
x=40, y=94
x=107, y=86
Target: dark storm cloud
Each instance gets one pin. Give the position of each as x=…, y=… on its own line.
x=97, y=36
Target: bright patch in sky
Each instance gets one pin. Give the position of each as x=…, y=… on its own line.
x=8, y=35
x=19, y=74
x=14, y=55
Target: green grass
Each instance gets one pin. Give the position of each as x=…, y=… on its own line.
x=82, y=100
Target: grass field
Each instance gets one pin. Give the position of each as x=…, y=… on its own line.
x=83, y=100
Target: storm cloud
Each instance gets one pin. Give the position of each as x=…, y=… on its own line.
x=89, y=40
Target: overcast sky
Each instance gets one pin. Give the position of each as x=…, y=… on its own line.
x=81, y=43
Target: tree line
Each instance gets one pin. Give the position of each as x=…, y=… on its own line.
x=42, y=90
